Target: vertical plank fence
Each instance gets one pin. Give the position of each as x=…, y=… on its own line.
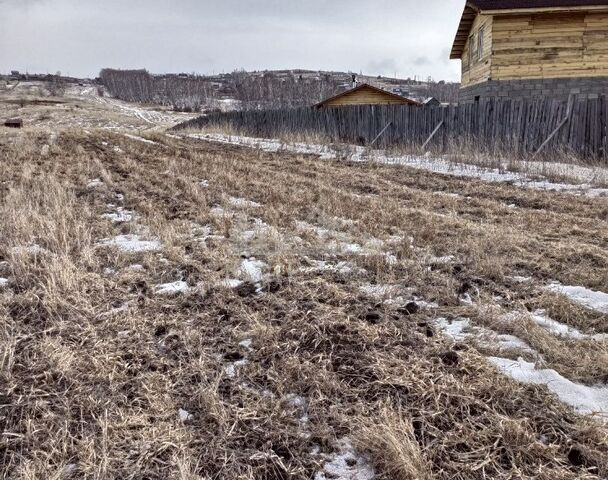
x=520, y=126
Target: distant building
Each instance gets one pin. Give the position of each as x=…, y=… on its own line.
x=365, y=94
x=431, y=102
x=531, y=48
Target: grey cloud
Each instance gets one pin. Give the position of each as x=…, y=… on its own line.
x=82, y=36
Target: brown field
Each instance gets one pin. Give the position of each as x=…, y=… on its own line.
x=303, y=337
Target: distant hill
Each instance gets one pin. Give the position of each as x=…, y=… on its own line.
x=255, y=90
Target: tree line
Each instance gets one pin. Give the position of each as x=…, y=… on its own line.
x=251, y=91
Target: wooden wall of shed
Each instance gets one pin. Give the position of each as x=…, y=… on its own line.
x=476, y=70
x=365, y=97
x=550, y=45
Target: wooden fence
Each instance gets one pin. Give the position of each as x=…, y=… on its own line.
x=519, y=126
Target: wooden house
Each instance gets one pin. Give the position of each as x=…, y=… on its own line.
x=365, y=94
x=531, y=48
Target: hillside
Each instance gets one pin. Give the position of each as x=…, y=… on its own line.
x=254, y=90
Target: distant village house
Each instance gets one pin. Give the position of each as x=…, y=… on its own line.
x=531, y=48
x=365, y=94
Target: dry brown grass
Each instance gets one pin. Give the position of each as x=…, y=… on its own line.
x=95, y=392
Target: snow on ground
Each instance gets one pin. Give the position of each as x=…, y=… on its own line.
x=119, y=216
x=94, y=183
x=139, y=139
x=535, y=179
x=581, y=397
x=588, y=298
x=231, y=283
x=251, y=269
x=132, y=243
x=243, y=203
x=461, y=329
x=172, y=288
x=561, y=329
x=346, y=464
x=3, y=282
x=184, y=415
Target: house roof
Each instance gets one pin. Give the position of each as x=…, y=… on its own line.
x=403, y=100
x=473, y=7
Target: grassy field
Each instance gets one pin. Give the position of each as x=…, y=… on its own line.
x=176, y=308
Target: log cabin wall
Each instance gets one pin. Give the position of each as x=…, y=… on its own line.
x=477, y=53
x=544, y=54
x=550, y=45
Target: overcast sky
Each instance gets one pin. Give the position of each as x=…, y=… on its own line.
x=79, y=37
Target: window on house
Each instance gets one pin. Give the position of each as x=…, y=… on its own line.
x=480, y=44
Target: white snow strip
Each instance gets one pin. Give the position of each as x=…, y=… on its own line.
x=96, y=182
x=218, y=211
x=346, y=464
x=120, y=216
x=461, y=329
x=380, y=291
x=231, y=283
x=581, y=397
x=588, y=298
x=561, y=329
x=438, y=164
x=243, y=203
x=132, y=244
x=3, y=282
x=139, y=139
x=33, y=249
x=172, y=288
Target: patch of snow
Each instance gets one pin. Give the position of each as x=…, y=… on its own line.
x=251, y=269
x=588, y=298
x=379, y=290
x=243, y=203
x=461, y=329
x=204, y=183
x=3, y=282
x=132, y=244
x=584, y=399
x=230, y=370
x=231, y=283
x=246, y=343
x=561, y=329
x=96, y=182
x=466, y=299
x=33, y=249
x=184, y=415
x=115, y=311
x=135, y=267
x=120, y=216
x=172, y=288
x=520, y=279
x=218, y=211
x=117, y=149
x=346, y=464
x=139, y=139
x=440, y=260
